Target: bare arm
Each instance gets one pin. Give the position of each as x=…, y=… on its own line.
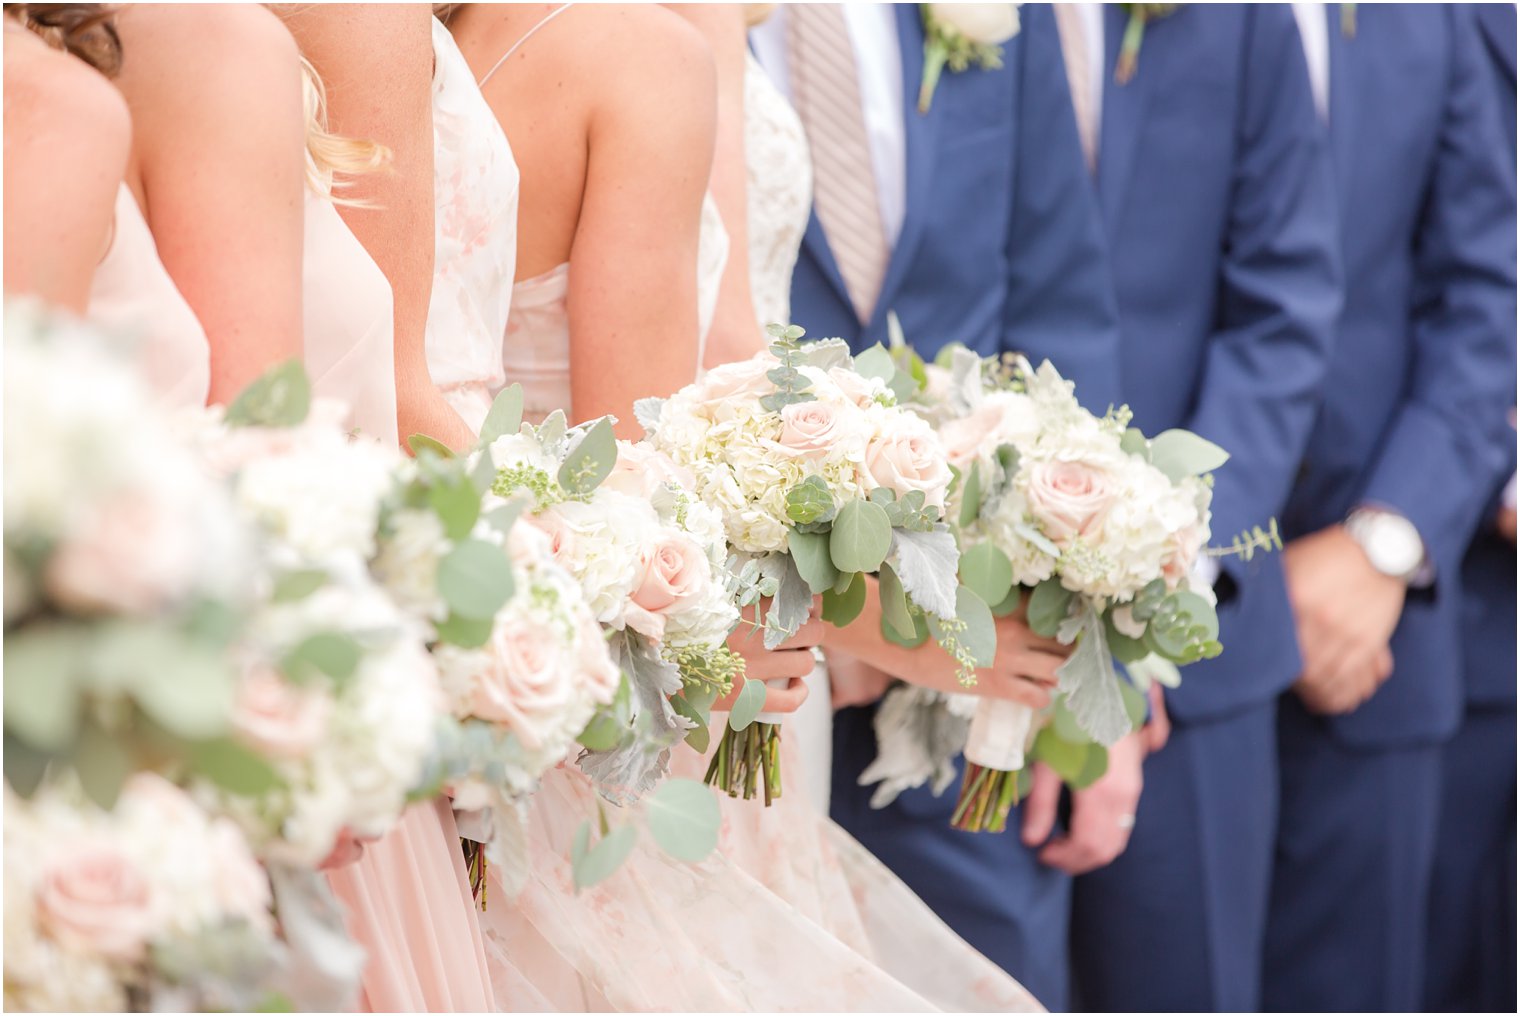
x=735, y=333
x=377, y=63
x=67, y=134
x=215, y=94
x=633, y=297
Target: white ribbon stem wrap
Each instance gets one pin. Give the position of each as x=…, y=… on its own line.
x=999, y=735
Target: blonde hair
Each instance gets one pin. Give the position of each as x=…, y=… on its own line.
x=331, y=157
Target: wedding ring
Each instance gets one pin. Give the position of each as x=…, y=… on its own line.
x=1126, y=821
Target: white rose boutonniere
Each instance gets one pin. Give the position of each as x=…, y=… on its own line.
x=960, y=35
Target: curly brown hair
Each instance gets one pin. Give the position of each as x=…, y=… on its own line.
x=86, y=30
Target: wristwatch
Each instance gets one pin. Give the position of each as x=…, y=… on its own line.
x=1390, y=541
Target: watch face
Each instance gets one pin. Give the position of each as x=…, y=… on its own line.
x=1394, y=545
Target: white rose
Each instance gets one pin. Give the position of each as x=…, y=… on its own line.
x=523, y=682
x=987, y=24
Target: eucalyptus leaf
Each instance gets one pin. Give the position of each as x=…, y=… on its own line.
x=504, y=516
x=971, y=495
x=1135, y=704
x=1049, y=603
x=918, y=637
x=810, y=554
x=234, y=768
x=1124, y=648
x=1094, y=765
x=894, y=604
x=24, y=766
x=699, y=736
x=189, y=692
x=420, y=443
x=591, y=460
x=602, y=733
x=861, y=537
x=103, y=765
x=42, y=687
x=483, y=473
x=684, y=818
x=986, y=571
x=1066, y=758
x=926, y=562
x=297, y=585
x=331, y=653
x=1010, y=603
x=457, y=504
x=979, y=634
x=592, y=864
x=280, y=397
x=876, y=363
x=505, y=416
x=475, y=579
x=748, y=705
x=839, y=609
x=1065, y=725
x=1181, y=453
x=1134, y=443
x=810, y=502
x=465, y=632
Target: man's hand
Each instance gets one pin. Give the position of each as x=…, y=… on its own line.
x=1346, y=611
x=1102, y=816
x=1505, y=523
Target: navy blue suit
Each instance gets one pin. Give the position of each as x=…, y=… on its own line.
x=1470, y=964
x=1001, y=250
x=1217, y=195
x=1414, y=419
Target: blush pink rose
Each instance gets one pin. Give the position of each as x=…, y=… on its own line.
x=675, y=571
x=912, y=459
x=523, y=683
x=132, y=557
x=598, y=670
x=743, y=379
x=641, y=470
x=562, y=541
x=1001, y=419
x=813, y=429
x=1070, y=499
x=95, y=899
x=1182, y=554
x=855, y=387
x=276, y=718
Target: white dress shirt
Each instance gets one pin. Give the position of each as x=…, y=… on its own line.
x=873, y=34
x=1314, y=32
x=1097, y=66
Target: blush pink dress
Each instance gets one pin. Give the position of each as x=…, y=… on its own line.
x=409, y=897
x=133, y=296
x=790, y=913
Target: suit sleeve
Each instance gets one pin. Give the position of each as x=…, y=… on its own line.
x=1060, y=302
x=1448, y=443
x=1279, y=286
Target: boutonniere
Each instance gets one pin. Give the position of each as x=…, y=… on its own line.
x=1134, y=33
x=960, y=35
x=1348, y=20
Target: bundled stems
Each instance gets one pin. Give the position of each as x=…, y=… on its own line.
x=987, y=796
x=475, y=866
x=748, y=761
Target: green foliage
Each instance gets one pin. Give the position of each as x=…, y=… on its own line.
x=1184, y=629
x=475, y=579
x=457, y=505
x=421, y=443
x=297, y=585
x=591, y=460
x=684, y=818
x=971, y=495
x=895, y=616
x=464, y=632
x=861, y=537
x=1181, y=453
x=328, y=653
x=986, y=571
x=1049, y=603
x=810, y=502
x=791, y=384
x=970, y=637
x=591, y=864
x=235, y=768
x=505, y=416
x=749, y=704
x=810, y=554
x=1246, y=544
x=280, y=397
x=840, y=608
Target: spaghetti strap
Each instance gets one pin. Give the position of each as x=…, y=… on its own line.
x=562, y=8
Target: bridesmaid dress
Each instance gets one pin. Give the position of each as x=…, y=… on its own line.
x=788, y=915
x=132, y=295
x=408, y=898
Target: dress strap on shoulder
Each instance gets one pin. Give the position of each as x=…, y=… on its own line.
x=562, y=8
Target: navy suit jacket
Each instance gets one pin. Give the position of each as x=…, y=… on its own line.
x=1001, y=249
x=1218, y=202
x=1414, y=415
x=1488, y=573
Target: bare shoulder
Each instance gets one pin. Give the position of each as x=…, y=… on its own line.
x=662, y=68
x=216, y=45
x=45, y=87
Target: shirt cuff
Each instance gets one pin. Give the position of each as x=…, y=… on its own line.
x=1509, y=494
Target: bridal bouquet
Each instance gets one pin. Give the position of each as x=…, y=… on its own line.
x=151, y=906
x=125, y=568
x=614, y=638
x=335, y=714
x=1101, y=528
x=820, y=478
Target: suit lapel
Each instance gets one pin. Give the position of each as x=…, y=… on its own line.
x=1123, y=111
x=920, y=141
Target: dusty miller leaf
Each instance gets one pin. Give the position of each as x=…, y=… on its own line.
x=926, y=565
x=631, y=769
x=789, y=607
x=1090, y=686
